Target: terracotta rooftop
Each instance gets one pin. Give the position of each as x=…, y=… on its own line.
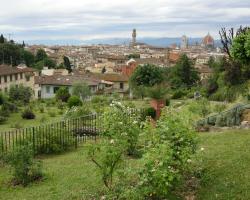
x=8, y=70
x=63, y=80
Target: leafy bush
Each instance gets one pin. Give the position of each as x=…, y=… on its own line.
x=75, y=112
x=126, y=127
x=107, y=156
x=178, y=94
x=150, y=112
x=74, y=101
x=41, y=109
x=20, y=93
x=8, y=108
x=156, y=92
x=62, y=94
x=170, y=147
x=3, y=98
x=25, y=168
x=28, y=114
x=2, y=119
x=167, y=102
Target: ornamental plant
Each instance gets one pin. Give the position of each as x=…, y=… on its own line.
x=169, y=148
x=122, y=123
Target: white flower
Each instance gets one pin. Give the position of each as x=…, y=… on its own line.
x=135, y=122
x=202, y=149
x=120, y=122
x=112, y=141
x=189, y=160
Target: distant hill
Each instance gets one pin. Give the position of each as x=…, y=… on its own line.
x=161, y=42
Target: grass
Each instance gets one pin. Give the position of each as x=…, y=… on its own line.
x=67, y=176
x=226, y=161
x=16, y=118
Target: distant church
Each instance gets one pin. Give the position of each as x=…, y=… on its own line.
x=208, y=41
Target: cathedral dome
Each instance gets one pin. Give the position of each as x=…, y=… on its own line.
x=208, y=40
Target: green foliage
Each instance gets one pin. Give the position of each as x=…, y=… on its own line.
x=146, y=75
x=179, y=94
x=183, y=74
x=62, y=94
x=107, y=156
x=150, y=112
x=201, y=107
x=133, y=56
x=28, y=114
x=52, y=113
x=25, y=168
x=170, y=147
x=126, y=128
x=156, y=92
x=67, y=63
x=40, y=55
x=3, y=98
x=21, y=93
x=74, y=101
x=3, y=119
x=81, y=90
x=167, y=102
x=75, y=112
x=240, y=49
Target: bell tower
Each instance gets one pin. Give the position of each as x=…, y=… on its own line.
x=134, y=37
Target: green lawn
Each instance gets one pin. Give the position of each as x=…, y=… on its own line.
x=226, y=160
x=16, y=118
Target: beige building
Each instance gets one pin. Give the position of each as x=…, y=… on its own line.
x=15, y=76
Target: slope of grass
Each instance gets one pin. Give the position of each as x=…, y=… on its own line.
x=67, y=176
x=226, y=160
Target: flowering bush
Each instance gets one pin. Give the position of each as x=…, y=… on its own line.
x=76, y=111
x=168, y=152
x=122, y=124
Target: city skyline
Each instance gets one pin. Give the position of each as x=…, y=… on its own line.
x=87, y=20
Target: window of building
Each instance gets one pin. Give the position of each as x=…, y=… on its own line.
x=121, y=86
x=27, y=78
x=21, y=76
x=10, y=78
x=16, y=77
x=47, y=89
x=55, y=89
x=6, y=90
x=5, y=78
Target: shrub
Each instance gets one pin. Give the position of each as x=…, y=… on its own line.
x=167, y=102
x=41, y=109
x=21, y=93
x=25, y=168
x=63, y=94
x=150, y=112
x=156, y=92
x=43, y=119
x=178, y=94
x=8, y=108
x=126, y=127
x=75, y=112
x=74, y=101
x=170, y=147
x=3, y=98
x=28, y=114
x=107, y=156
x=2, y=119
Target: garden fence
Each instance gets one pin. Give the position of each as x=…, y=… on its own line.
x=57, y=136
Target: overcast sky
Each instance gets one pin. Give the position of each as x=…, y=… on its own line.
x=89, y=19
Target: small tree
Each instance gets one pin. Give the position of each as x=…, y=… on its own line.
x=63, y=94
x=74, y=101
x=184, y=73
x=81, y=89
x=21, y=93
x=67, y=64
x=40, y=55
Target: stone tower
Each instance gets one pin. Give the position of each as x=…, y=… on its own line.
x=184, y=42
x=134, y=37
